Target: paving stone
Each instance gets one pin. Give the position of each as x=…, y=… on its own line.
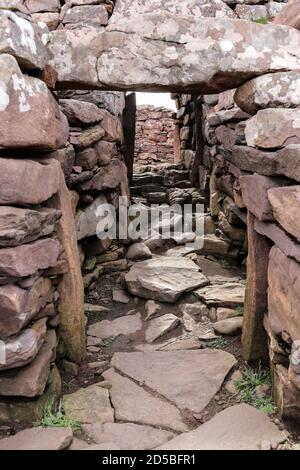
x=240, y=427
x=223, y=295
x=160, y=326
x=133, y=403
x=189, y=379
x=127, y=436
x=38, y=439
x=120, y=326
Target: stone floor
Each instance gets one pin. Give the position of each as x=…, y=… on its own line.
x=163, y=342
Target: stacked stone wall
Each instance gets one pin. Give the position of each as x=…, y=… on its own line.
x=154, y=141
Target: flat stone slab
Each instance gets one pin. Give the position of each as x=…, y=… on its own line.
x=228, y=294
x=133, y=403
x=127, y=436
x=38, y=439
x=89, y=405
x=161, y=326
x=189, y=379
x=186, y=341
x=120, y=326
x=164, y=278
x=240, y=427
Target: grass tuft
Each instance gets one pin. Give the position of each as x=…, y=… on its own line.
x=240, y=311
x=218, y=343
x=56, y=418
x=260, y=20
x=250, y=380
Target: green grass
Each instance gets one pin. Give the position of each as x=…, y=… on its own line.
x=240, y=310
x=56, y=418
x=218, y=343
x=246, y=386
x=260, y=20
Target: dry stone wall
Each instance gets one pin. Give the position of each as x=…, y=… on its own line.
x=154, y=141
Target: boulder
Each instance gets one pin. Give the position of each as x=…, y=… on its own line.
x=164, y=278
x=227, y=294
x=135, y=52
x=107, y=177
x=273, y=90
x=19, y=306
x=285, y=204
x=138, y=251
x=39, y=438
x=89, y=405
x=51, y=20
x=289, y=15
x=30, y=381
x=21, y=350
x=18, y=226
x=230, y=326
x=283, y=294
x=284, y=124
x=25, y=260
x=255, y=194
x=81, y=113
x=29, y=115
x=23, y=39
x=87, y=220
x=96, y=15
x=281, y=162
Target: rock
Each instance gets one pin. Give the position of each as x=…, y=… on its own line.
x=35, y=6
x=95, y=309
x=19, y=306
x=30, y=381
x=160, y=326
x=25, y=260
x=113, y=127
x=289, y=15
x=239, y=427
x=251, y=12
x=87, y=220
x=89, y=405
x=70, y=367
x=22, y=349
x=87, y=159
x=133, y=403
x=284, y=124
x=112, y=101
x=38, y=439
x=263, y=390
x=151, y=308
x=255, y=194
x=25, y=182
x=71, y=290
x=225, y=313
x=180, y=251
x=285, y=243
x=179, y=343
x=230, y=326
x=274, y=90
x=230, y=386
x=199, y=374
x=26, y=410
x=127, y=436
x=228, y=294
x=44, y=127
x=138, y=251
x=228, y=60
x=213, y=245
x=107, y=177
x=88, y=14
x=120, y=326
x=280, y=199
x=120, y=295
x=87, y=137
x=281, y=162
x=18, y=226
x=81, y=113
x=24, y=40
x=164, y=278
x=51, y=20
x=78, y=444
x=66, y=158
x=283, y=275
x=198, y=309
x=105, y=151
x=198, y=329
